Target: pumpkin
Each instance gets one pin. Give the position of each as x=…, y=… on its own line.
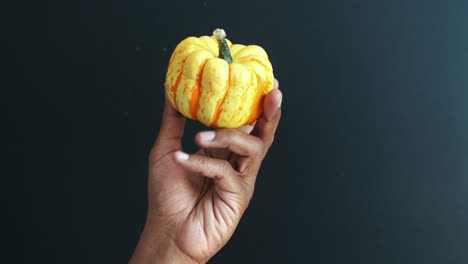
x=218, y=83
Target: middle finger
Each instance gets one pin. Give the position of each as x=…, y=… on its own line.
x=235, y=140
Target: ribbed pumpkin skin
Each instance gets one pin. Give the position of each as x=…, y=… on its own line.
x=206, y=88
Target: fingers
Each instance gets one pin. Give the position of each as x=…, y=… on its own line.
x=170, y=132
x=266, y=125
x=226, y=178
x=233, y=139
x=239, y=141
x=226, y=153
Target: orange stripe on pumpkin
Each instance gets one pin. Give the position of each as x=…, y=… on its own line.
x=217, y=112
x=194, y=103
x=176, y=85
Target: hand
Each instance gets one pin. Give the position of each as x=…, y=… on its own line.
x=196, y=201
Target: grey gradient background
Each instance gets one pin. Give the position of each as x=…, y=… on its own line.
x=370, y=162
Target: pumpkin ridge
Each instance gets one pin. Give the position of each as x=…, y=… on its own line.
x=256, y=60
x=251, y=107
x=257, y=103
x=176, y=85
x=265, y=79
x=195, y=98
x=251, y=50
x=180, y=47
x=209, y=47
x=217, y=112
x=235, y=48
x=196, y=43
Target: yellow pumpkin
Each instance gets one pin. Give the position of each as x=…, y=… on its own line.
x=218, y=83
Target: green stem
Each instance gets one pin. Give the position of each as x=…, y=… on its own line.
x=224, y=52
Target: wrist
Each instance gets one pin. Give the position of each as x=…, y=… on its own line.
x=157, y=246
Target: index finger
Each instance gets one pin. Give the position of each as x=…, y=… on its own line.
x=170, y=134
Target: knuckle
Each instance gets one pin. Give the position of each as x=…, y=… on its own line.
x=201, y=164
x=202, y=160
x=232, y=132
x=228, y=135
x=225, y=166
x=270, y=141
x=260, y=147
x=221, y=132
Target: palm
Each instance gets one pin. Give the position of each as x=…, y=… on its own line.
x=202, y=211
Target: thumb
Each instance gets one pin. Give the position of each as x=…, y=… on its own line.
x=170, y=132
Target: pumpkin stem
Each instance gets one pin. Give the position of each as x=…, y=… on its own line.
x=224, y=52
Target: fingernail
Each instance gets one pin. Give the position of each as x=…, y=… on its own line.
x=247, y=128
x=182, y=155
x=280, y=101
x=207, y=135
x=276, y=84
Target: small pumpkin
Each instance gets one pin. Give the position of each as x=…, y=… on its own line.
x=218, y=83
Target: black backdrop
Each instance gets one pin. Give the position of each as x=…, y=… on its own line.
x=370, y=162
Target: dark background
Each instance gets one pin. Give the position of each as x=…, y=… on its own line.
x=370, y=162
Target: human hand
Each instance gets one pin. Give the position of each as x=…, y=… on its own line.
x=196, y=201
